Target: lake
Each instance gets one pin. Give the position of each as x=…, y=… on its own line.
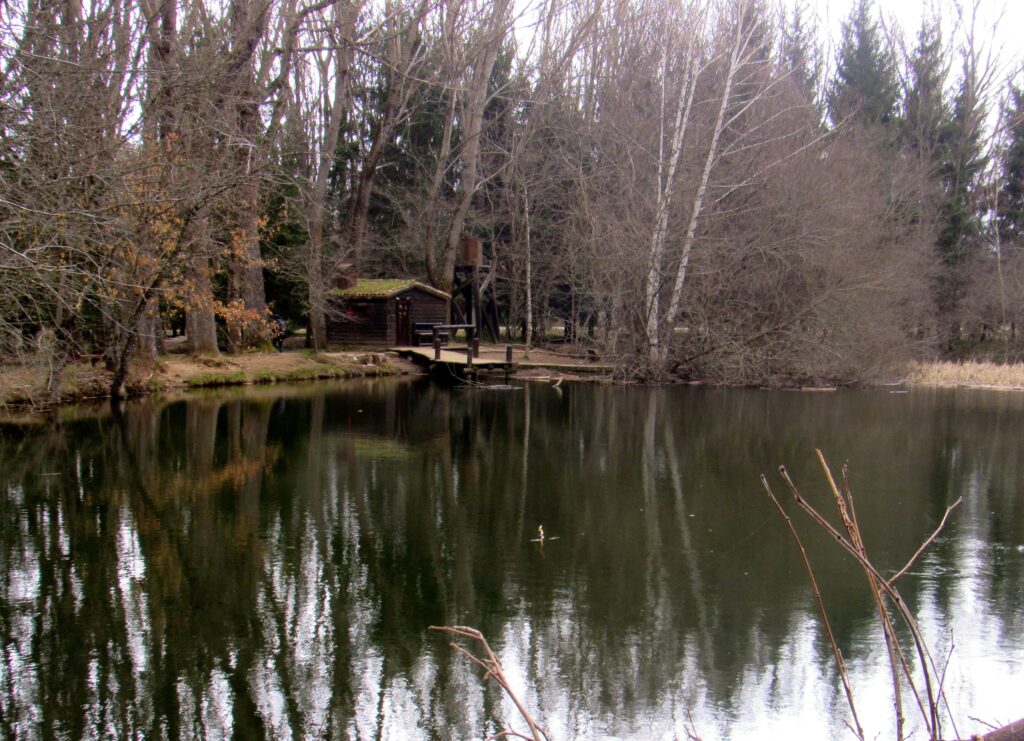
x=265, y=563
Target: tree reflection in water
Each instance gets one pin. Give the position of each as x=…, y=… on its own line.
x=265, y=563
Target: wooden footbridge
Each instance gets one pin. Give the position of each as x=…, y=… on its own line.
x=466, y=361
x=458, y=362
x=449, y=360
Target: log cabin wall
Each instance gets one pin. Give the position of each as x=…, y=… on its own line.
x=426, y=307
x=371, y=320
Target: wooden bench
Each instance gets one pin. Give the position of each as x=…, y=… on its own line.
x=423, y=333
x=440, y=333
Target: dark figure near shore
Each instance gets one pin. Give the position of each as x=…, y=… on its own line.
x=279, y=335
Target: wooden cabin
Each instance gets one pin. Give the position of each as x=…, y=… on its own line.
x=383, y=312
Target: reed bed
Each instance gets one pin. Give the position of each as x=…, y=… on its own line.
x=969, y=373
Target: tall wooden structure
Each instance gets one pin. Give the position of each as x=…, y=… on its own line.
x=473, y=300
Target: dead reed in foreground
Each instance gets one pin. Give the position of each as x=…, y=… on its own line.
x=487, y=661
x=891, y=607
x=926, y=692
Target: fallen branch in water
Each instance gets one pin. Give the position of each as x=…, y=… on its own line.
x=492, y=668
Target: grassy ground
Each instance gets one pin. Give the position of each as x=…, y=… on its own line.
x=970, y=373
x=25, y=384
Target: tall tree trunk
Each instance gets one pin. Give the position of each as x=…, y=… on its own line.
x=491, y=37
x=401, y=55
x=248, y=20
x=246, y=272
x=147, y=330
x=200, y=324
x=318, y=200
x=433, y=201
x=736, y=58
x=528, y=331
x=666, y=188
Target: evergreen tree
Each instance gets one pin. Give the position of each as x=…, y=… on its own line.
x=799, y=55
x=926, y=114
x=1011, y=194
x=865, y=86
x=964, y=163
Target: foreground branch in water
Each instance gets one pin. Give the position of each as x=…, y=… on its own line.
x=884, y=593
x=492, y=669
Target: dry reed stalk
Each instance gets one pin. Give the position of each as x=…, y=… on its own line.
x=883, y=590
x=980, y=374
x=836, y=653
x=492, y=668
x=892, y=646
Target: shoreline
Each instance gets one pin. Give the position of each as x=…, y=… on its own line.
x=21, y=386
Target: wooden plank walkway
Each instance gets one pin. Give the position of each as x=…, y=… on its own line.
x=492, y=358
x=452, y=358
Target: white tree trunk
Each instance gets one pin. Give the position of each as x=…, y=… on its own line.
x=736, y=55
x=666, y=189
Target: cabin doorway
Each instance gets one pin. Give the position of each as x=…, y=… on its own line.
x=403, y=326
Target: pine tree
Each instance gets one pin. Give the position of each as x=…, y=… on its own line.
x=1011, y=194
x=799, y=55
x=926, y=114
x=865, y=87
x=963, y=165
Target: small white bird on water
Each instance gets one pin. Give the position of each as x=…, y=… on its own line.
x=540, y=536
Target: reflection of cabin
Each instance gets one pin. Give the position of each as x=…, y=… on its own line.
x=383, y=311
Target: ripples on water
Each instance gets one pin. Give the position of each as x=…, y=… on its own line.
x=266, y=563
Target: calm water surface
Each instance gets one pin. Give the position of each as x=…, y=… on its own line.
x=265, y=564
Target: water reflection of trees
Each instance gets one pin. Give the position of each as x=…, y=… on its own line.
x=267, y=566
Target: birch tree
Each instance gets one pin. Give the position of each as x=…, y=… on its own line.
x=744, y=64
x=666, y=182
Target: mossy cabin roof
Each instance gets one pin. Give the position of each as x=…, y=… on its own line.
x=366, y=288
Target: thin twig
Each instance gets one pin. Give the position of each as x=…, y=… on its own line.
x=928, y=542
x=942, y=691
